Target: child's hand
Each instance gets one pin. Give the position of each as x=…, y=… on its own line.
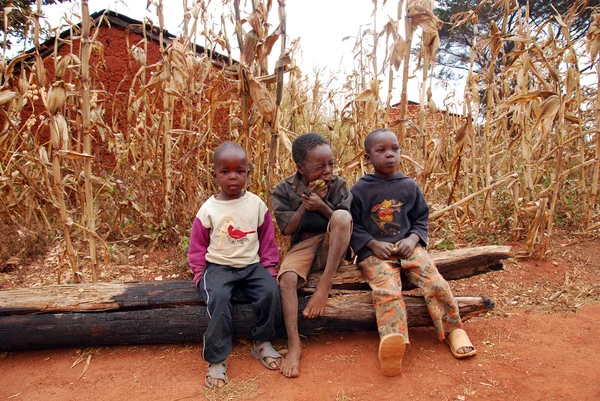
x=405, y=247
x=318, y=187
x=312, y=201
x=383, y=250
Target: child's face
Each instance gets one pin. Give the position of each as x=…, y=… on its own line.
x=318, y=164
x=384, y=154
x=231, y=172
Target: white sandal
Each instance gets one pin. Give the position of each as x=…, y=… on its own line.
x=216, y=371
x=264, y=351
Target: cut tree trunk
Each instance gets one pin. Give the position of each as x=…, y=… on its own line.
x=452, y=265
x=177, y=323
x=156, y=312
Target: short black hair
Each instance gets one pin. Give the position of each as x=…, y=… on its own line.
x=224, y=147
x=304, y=143
x=371, y=137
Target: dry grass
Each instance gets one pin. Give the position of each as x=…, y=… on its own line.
x=235, y=390
x=522, y=160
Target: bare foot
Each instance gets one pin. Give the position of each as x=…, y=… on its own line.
x=317, y=304
x=291, y=364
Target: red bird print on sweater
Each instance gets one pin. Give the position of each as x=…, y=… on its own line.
x=237, y=234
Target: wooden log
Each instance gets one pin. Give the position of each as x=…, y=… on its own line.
x=346, y=311
x=100, y=297
x=173, y=311
x=452, y=265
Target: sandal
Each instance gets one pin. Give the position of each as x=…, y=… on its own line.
x=458, y=339
x=216, y=371
x=391, y=352
x=263, y=352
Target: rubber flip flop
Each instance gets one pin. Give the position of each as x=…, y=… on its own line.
x=457, y=339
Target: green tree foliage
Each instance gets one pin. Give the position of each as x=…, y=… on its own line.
x=19, y=14
x=455, y=44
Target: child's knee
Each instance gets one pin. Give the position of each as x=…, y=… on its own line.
x=271, y=291
x=220, y=295
x=288, y=281
x=341, y=219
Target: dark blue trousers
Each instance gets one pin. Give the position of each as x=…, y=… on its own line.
x=217, y=285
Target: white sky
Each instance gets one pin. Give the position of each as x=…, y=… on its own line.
x=320, y=24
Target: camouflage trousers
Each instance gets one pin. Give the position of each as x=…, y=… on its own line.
x=383, y=277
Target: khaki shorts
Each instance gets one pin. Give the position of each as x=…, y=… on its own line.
x=310, y=255
x=305, y=257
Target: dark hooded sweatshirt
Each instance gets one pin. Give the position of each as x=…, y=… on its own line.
x=387, y=210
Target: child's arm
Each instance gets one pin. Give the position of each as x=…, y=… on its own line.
x=314, y=202
x=383, y=250
x=199, y=241
x=405, y=247
x=288, y=219
x=418, y=216
x=341, y=198
x=326, y=200
x=267, y=250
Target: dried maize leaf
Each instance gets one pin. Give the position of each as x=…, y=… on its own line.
x=351, y=133
x=43, y=154
x=62, y=66
x=69, y=154
x=398, y=49
x=54, y=134
x=236, y=122
x=549, y=108
x=365, y=96
x=267, y=46
x=466, y=130
x=57, y=98
x=6, y=96
x=138, y=54
x=262, y=98
x=255, y=22
x=63, y=131
x=528, y=97
x=11, y=66
x=249, y=50
x=285, y=140
x=572, y=80
x=593, y=37
x=425, y=18
x=40, y=71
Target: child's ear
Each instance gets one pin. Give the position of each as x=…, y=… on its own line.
x=300, y=168
x=368, y=159
x=213, y=174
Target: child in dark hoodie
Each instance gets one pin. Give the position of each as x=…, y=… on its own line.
x=391, y=222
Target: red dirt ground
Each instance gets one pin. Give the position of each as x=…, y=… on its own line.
x=538, y=344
